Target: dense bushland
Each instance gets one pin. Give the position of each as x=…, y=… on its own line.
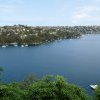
x=46, y=88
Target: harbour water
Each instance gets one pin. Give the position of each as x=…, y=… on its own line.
x=78, y=60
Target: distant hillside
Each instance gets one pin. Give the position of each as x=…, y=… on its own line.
x=20, y=34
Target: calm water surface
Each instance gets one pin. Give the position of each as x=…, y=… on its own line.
x=77, y=59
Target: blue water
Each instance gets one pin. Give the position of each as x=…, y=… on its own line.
x=77, y=59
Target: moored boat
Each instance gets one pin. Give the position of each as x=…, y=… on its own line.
x=4, y=46
x=22, y=45
x=93, y=86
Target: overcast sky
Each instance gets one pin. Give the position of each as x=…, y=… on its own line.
x=50, y=12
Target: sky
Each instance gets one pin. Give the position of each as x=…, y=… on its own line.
x=50, y=12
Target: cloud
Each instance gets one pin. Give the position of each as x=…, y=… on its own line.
x=25, y=19
x=50, y=11
x=85, y=13
x=7, y=9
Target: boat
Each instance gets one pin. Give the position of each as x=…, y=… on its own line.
x=93, y=86
x=22, y=45
x=3, y=46
x=15, y=45
x=26, y=45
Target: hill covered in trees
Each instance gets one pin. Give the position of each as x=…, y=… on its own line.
x=20, y=34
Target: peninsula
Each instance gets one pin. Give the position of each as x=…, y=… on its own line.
x=34, y=35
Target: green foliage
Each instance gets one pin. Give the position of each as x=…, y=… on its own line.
x=56, y=89
x=42, y=90
x=47, y=88
x=28, y=81
x=7, y=92
x=97, y=93
x=1, y=69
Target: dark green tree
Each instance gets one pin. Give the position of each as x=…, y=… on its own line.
x=55, y=88
x=97, y=94
x=8, y=92
x=1, y=69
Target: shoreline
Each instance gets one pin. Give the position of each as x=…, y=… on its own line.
x=27, y=35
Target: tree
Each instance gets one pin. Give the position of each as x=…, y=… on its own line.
x=7, y=92
x=66, y=91
x=1, y=69
x=97, y=94
x=55, y=88
x=28, y=81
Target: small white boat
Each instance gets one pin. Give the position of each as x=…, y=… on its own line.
x=94, y=86
x=82, y=35
x=4, y=46
x=22, y=46
x=26, y=45
x=15, y=45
